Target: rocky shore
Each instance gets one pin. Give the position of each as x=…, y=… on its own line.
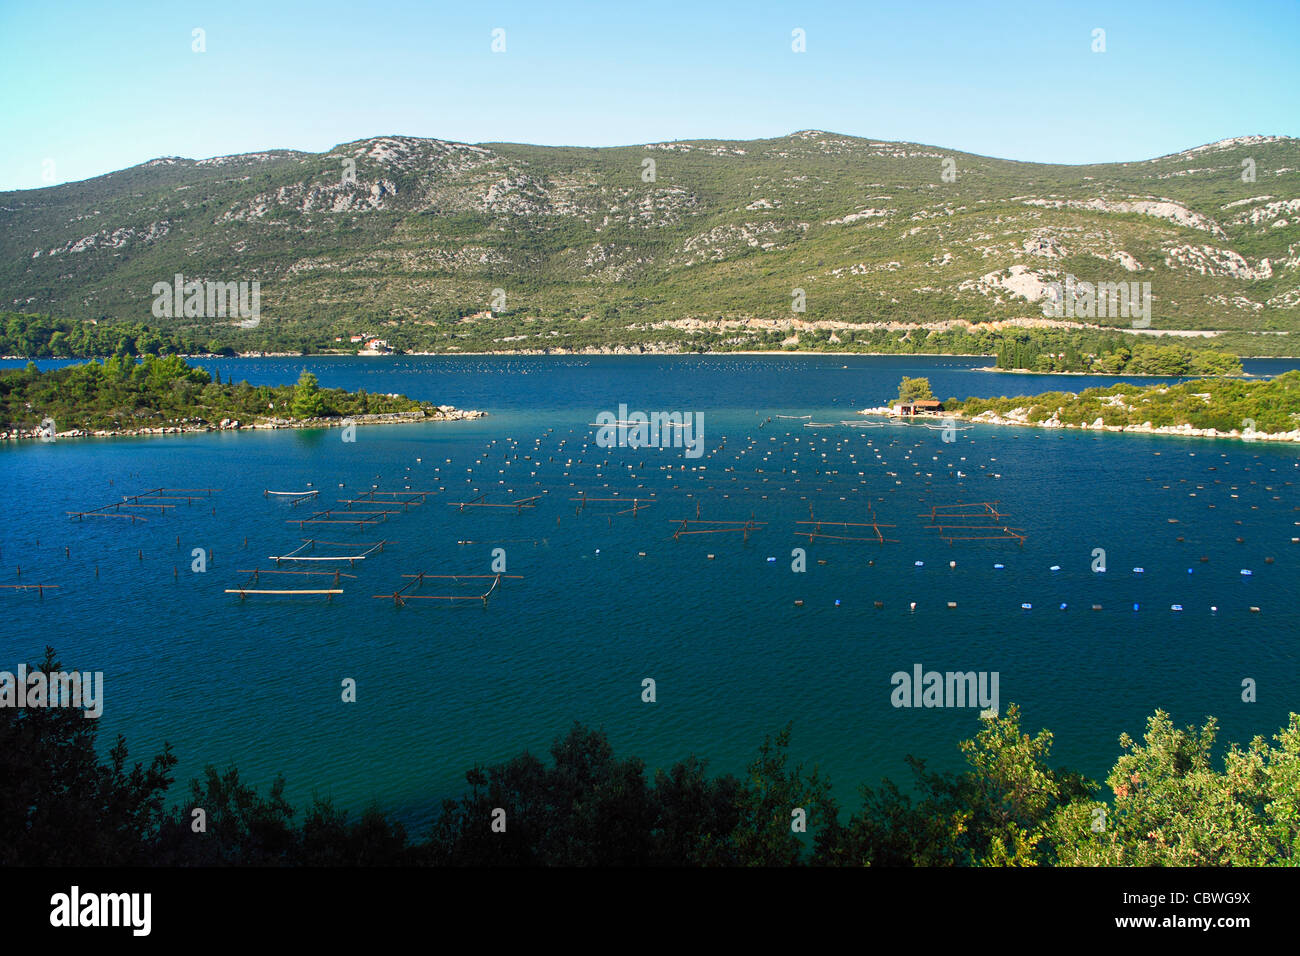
x=436, y=413
x=1020, y=417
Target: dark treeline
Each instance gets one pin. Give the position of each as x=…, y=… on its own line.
x=122, y=393
x=1108, y=353
x=44, y=336
x=440, y=330
x=60, y=804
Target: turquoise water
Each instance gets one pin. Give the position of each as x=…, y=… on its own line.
x=441, y=686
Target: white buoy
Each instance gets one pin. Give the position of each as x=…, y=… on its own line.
x=952, y=564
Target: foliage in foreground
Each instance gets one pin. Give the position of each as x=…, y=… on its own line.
x=59, y=805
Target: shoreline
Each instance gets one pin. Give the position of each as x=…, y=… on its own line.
x=633, y=351
x=440, y=413
x=1146, y=428
x=1029, y=371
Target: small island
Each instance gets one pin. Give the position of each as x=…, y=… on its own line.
x=1205, y=408
x=154, y=396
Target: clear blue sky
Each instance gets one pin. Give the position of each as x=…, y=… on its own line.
x=97, y=86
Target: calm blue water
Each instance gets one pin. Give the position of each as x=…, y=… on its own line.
x=441, y=687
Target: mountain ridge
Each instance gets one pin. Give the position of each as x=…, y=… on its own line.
x=419, y=237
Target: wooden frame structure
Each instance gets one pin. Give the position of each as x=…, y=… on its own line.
x=39, y=588
x=983, y=517
x=817, y=524
x=639, y=503
x=323, y=517
x=295, y=497
x=370, y=546
x=401, y=595
x=478, y=502
x=746, y=528
x=157, y=498
x=244, y=590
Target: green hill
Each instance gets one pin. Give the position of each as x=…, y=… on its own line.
x=708, y=254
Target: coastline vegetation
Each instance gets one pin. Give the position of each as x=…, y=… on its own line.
x=1270, y=406
x=1168, y=804
x=121, y=393
x=1054, y=351
x=1109, y=352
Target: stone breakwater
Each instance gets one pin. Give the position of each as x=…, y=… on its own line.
x=1146, y=428
x=437, y=413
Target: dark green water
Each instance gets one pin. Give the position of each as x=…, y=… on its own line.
x=442, y=686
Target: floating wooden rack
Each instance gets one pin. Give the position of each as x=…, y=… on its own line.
x=311, y=543
x=295, y=497
x=407, y=498
x=402, y=595
x=639, y=503
x=815, y=532
x=258, y=572
x=153, y=498
x=323, y=517
x=244, y=592
x=980, y=517
x=746, y=528
x=478, y=502
x=39, y=588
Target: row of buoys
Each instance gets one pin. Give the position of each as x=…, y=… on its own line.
x=1028, y=606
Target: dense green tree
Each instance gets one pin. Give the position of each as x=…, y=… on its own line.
x=914, y=389
x=307, y=399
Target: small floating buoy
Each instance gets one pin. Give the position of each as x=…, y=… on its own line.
x=913, y=605
x=952, y=564
x=1135, y=607
x=1063, y=606
x=1214, y=608
x=837, y=602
